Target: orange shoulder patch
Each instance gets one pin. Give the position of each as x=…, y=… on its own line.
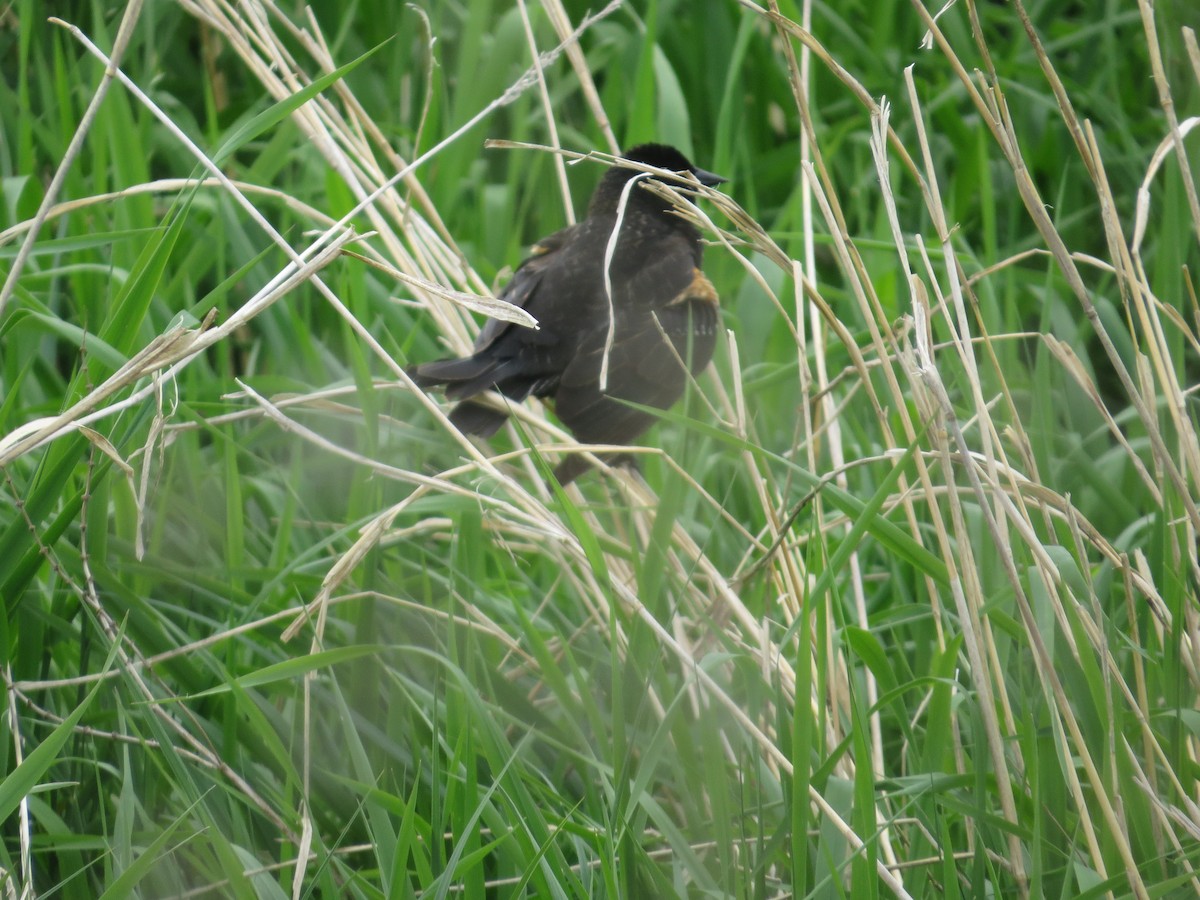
x=701, y=290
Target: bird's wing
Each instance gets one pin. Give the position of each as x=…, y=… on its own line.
x=523, y=285
x=690, y=322
x=668, y=294
x=642, y=366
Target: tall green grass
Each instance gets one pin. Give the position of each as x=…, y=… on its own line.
x=906, y=605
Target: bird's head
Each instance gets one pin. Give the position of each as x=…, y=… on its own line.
x=660, y=156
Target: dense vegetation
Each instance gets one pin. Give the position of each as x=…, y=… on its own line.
x=907, y=605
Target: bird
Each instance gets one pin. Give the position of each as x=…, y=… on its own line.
x=663, y=316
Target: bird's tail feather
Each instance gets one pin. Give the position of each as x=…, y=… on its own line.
x=571, y=468
x=576, y=464
x=472, y=417
x=463, y=378
x=450, y=371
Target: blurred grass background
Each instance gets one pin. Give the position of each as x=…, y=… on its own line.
x=826, y=654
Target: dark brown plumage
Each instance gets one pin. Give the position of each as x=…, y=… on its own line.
x=657, y=289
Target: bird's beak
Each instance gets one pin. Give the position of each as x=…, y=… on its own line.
x=708, y=179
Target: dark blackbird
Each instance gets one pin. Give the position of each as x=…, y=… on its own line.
x=664, y=311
